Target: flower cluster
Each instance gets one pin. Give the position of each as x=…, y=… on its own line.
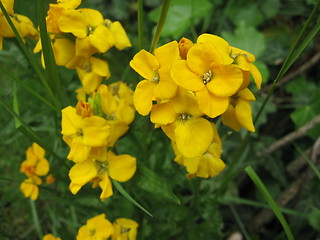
x=188, y=84
x=22, y=23
x=91, y=131
x=34, y=167
x=99, y=227
x=80, y=37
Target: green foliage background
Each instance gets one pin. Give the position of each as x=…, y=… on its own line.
x=181, y=208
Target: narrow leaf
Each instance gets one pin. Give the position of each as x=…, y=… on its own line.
x=127, y=196
x=267, y=196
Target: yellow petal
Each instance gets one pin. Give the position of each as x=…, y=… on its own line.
x=90, y=80
x=64, y=51
x=226, y=80
x=229, y=119
x=93, y=17
x=82, y=173
x=221, y=44
x=166, y=87
x=42, y=167
x=167, y=53
x=163, y=113
x=256, y=75
x=186, y=103
x=192, y=164
x=74, y=188
x=79, y=152
x=8, y=5
x=69, y=3
x=74, y=22
x=209, y=166
x=117, y=129
x=106, y=187
x=145, y=64
x=193, y=136
x=102, y=38
x=143, y=96
x=243, y=114
x=122, y=40
x=247, y=95
x=185, y=78
x=38, y=151
x=95, y=131
x=169, y=130
x=100, y=67
x=122, y=167
x=71, y=122
x=212, y=105
x=84, y=48
x=201, y=56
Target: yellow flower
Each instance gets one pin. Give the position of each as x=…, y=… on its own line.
x=239, y=112
x=208, y=72
x=115, y=104
x=207, y=164
x=81, y=134
x=181, y=120
x=96, y=228
x=35, y=163
x=122, y=40
x=26, y=28
x=49, y=236
x=100, y=168
x=155, y=69
x=29, y=187
x=124, y=229
x=88, y=26
x=69, y=4
x=184, y=45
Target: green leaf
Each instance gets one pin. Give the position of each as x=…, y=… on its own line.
x=157, y=186
x=247, y=38
x=275, y=208
x=270, y=8
x=127, y=196
x=183, y=14
x=314, y=218
x=248, y=13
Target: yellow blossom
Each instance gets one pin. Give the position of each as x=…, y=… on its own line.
x=99, y=169
x=81, y=134
x=181, y=120
x=8, y=5
x=96, y=228
x=124, y=229
x=239, y=112
x=184, y=45
x=122, y=40
x=29, y=187
x=26, y=28
x=49, y=236
x=207, y=164
x=155, y=69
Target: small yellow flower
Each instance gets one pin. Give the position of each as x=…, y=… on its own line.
x=81, y=134
x=239, y=112
x=205, y=165
x=26, y=28
x=181, y=120
x=35, y=163
x=124, y=229
x=122, y=40
x=49, y=236
x=50, y=179
x=29, y=187
x=155, y=69
x=96, y=228
x=100, y=168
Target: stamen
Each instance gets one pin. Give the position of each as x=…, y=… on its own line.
x=184, y=117
x=207, y=77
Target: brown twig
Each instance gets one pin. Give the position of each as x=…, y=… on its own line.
x=295, y=73
x=290, y=137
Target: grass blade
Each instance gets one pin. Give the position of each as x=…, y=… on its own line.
x=127, y=196
x=35, y=218
x=240, y=223
x=267, y=196
x=162, y=19
x=28, y=55
x=51, y=68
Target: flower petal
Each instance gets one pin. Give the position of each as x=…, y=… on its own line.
x=163, y=113
x=143, y=96
x=122, y=167
x=167, y=53
x=210, y=104
x=71, y=122
x=193, y=136
x=102, y=38
x=82, y=173
x=229, y=119
x=95, y=131
x=166, y=87
x=243, y=114
x=74, y=22
x=257, y=77
x=145, y=64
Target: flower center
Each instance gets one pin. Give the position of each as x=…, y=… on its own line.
x=124, y=230
x=234, y=99
x=90, y=30
x=184, y=117
x=79, y=133
x=207, y=77
x=92, y=232
x=102, y=167
x=156, y=78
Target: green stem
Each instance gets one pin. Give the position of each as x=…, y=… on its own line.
x=239, y=221
x=162, y=19
x=35, y=219
x=27, y=54
x=140, y=24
